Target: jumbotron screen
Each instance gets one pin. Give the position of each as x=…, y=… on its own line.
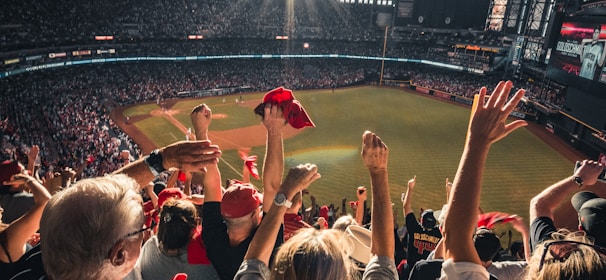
x=579, y=55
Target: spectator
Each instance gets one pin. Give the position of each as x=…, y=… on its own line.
x=486, y=243
x=343, y=222
x=13, y=197
x=571, y=255
x=165, y=255
x=292, y=220
x=108, y=209
x=108, y=251
x=422, y=237
x=14, y=236
x=230, y=221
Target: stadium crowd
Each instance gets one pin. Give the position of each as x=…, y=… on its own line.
x=239, y=233
x=69, y=173
x=79, y=130
x=29, y=24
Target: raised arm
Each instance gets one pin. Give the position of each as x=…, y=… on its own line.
x=187, y=156
x=362, y=195
x=201, y=117
x=545, y=203
x=32, y=155
x=374, y=156
x=20, y=230
x=263, y=242
x=273, y=165
x=407, y=198
x=487, y=126
x=519, y=225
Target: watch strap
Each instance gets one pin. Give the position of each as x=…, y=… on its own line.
x=285, y=202
x=154, y=162
x=578, y=180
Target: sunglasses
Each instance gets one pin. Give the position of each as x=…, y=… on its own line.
x=560, y=250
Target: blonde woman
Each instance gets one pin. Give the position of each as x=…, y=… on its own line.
x=568, y=255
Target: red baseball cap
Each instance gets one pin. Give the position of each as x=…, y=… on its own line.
x=168, y=193
x=8, y=168
x=291, y=108
x=240, y=200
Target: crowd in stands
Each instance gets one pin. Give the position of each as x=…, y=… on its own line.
x=70, y=107
x=239, y=232
x=29, y=24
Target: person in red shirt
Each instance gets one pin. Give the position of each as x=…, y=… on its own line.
x=292, y=220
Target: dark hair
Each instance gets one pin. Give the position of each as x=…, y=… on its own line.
x=177, y=220
x=487, y=244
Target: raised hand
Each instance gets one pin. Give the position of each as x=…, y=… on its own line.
x=374, y=152
x=299, y=178
x=412, y=182
x=273, y=119
x=201, y=117
x=488, y=122
x=33, y=153
x=190, y=156
x=361, y=193
x=589, y=172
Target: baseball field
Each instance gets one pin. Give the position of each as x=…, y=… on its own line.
x=425, y=137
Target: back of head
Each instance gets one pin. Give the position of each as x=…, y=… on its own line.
x=591, y=210
x=428, y=220
x=81, y=224
x=567, y=260
x=313, y=254
x=177, y=222
x=343, y=222
x=487, y=244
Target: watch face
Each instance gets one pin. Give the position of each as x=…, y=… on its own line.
x=280, y=198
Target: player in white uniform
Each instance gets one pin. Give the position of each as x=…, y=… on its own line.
x=592, y=54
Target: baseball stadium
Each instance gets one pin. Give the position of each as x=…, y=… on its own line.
x=91, y=90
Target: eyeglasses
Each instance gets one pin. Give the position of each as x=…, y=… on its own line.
x=151, y=227
x=560, y=250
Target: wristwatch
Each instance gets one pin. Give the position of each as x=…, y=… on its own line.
x=154, y=162
x=281, y=200
x=578, y=180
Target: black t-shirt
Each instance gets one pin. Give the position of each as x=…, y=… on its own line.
x=28, y=267
x=420, y=241
x=225, y=258
x=541, y=229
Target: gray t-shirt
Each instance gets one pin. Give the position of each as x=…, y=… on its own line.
x=153, y=264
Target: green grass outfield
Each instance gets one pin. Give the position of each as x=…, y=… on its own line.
x=425, y=137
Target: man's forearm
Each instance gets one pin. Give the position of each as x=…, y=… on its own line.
x=543, y=204
x=382, y=229
x=137, y=170
x=273, y=167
